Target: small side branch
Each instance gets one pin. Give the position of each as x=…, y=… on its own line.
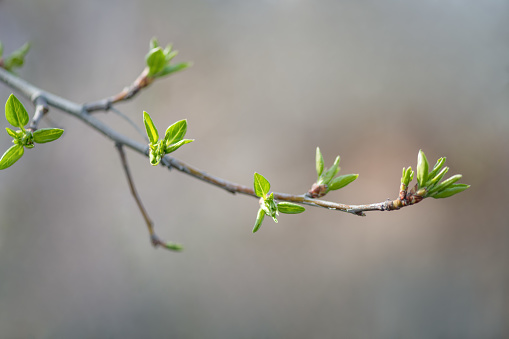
x=41, y=108
x=156, y=241
x=127, y=93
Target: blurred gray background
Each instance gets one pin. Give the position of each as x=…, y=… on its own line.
x=373, y=81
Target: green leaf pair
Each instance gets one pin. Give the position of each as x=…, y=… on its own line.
x=17, y=116
x=173, y=138
x=16, y=59
x=327, y=177
x=158, y=60
x=268, y=206
x=430, y=180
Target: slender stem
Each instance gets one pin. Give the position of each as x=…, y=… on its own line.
x=156, y=241
x=127, y=93
x=80, y=112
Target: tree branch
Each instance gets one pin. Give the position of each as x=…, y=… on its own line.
x=156, y=241
x=80, y=111
x=127, y=93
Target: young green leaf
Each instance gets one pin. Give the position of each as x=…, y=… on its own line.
x=154, y=158
x=173, y=246
x=319, y=162
x=156, y=60
x=422, y=169
x=261, y=186
x=452, y=190
x=153, y=43
x=409, y=174
x=167, y=50
x=15, y=112
x=289, y=208
x=331, y=172
x=44, y=135
x=1, y=49
x=175, y=132
x=173, y=147
x=438, y=177
x=436, y=168
x=168, y=69
x=259, y=220
x=11, y=156
x=169, y=54
x=152, y=133
x=270, y=207
x=342, y=181
x=17, y=58
x=11, y=133
x=446, y=183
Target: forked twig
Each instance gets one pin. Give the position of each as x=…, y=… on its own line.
x=81, y=112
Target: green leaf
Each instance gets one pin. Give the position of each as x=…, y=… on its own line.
x=436, y=168
x=173, y=246
x=153, y=43
x=15, y=112
x=17, y=58
x=168, y=69
x=422, y=169
x=319, y=162
x=11, y=133
x=1, y=49
x=331, y=172
x=169, y=54
x=270, y=206
x=261, y=186
x=156, y=60
x=175, y=132
x=438, y=177
x=11, y=156
x=452, y=190
x=152, y=133
x=167, y=50
x=173, y=147
x=259, y=220
x=44, y=135
x=446, y=183
x=289, y=208
x=342, y=181
x=154, y=158
x=409, y=174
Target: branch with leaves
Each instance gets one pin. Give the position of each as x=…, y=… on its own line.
x=429, y=182
x=158, y=65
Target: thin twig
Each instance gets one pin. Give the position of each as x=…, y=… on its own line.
x=79, y=111
x=126, y=118
x=156, y=241
x=127, y=93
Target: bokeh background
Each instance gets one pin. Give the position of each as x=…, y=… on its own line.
x=373, y=81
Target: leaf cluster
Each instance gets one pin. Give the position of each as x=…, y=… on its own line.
x=158, y=60
x=17, y=116
x=268, y=205
x=327, y=177
x=173, y=138
x=16, y=58
x=428, y=182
